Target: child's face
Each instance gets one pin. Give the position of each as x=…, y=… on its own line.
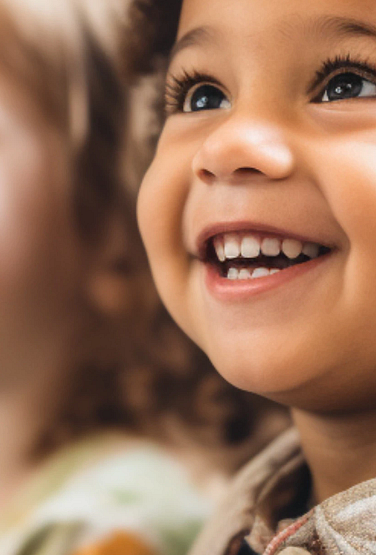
x=272, y=135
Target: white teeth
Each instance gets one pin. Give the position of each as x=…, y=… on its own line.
x=274, y=271
x=231, y=246
x=292, y=248
x=270, y=247
x=244, y=274
x=232, y=273
x=311, y=250
x=250, y=247
x=260, y=272
x=219, y=249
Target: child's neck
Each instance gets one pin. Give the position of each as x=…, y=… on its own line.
x=340, y=450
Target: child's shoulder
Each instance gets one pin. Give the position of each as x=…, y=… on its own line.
x=104, y=494
x=268, y=510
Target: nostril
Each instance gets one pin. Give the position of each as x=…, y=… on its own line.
x=239, y=174
x=206, y=175
x=235, y=176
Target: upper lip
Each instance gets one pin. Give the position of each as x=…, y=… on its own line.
x=211, y=230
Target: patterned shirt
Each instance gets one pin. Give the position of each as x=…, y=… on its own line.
x=268, y=511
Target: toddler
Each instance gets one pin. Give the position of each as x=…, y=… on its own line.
x=258, y=215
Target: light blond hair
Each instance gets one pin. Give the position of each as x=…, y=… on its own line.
x=62, y=55
x=43, y=45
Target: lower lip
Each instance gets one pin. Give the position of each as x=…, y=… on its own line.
x=239, y=289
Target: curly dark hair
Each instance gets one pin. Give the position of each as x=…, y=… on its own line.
x=151, y=32
x=168, y=391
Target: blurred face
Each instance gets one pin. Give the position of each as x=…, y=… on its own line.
x=259, y=210
x=38, y=262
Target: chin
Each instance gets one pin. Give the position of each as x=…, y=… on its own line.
x=290, y=378
x=259, y=374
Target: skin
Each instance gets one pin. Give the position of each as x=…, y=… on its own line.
x=50, y=280
x=276, y=156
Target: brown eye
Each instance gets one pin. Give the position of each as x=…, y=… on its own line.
x=348, y=85
x=205, y=97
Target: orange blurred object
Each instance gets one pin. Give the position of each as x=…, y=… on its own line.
x=119, y=543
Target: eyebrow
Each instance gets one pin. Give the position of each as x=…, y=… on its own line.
x=200, y=36
x=332, y=25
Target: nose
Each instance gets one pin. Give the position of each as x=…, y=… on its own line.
x=244, y=145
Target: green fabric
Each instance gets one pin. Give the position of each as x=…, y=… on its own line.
x=101, y=486
x=56, y=539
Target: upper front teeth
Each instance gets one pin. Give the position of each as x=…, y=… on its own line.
x=250, y=247
x=232, y=245
x=270, y=247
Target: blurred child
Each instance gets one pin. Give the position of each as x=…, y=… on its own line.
x=89, y=363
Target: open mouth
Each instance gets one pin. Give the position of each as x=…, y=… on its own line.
x=245, y=255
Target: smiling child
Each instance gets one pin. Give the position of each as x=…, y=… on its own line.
x=258, y=215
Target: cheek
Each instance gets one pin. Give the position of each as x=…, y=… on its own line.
x=344, y=166
x=36, y=258
x=160, y=211
x=348, y=178
x=160, y=208
x=350, y=186
x=26, y=200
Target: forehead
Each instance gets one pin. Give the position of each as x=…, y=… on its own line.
x=254, y=19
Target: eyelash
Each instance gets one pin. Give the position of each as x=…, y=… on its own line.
x=332, y=67
x=177, y=88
